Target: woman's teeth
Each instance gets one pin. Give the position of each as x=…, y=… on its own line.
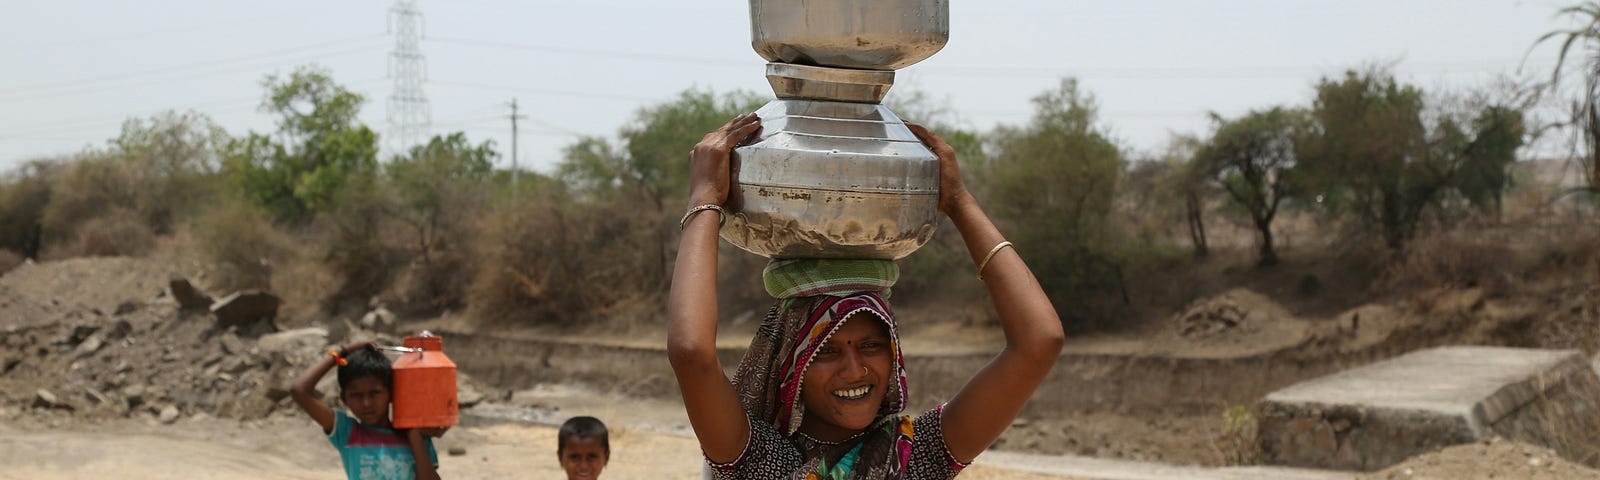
x=853, y=393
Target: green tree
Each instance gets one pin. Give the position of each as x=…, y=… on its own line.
x=645, y=181
x=1189, y=182
x=156, y=170
x=1374, y=153
x=1053, y=183
x=1252, y=157
x=1372, y=147
x=1487, y=145
x=438, y=184
x=1175, y=192
x=322, y=146
x=178, y=156
x=1585, y=115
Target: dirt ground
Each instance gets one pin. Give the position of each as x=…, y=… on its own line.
x=1493, y=459
x=101, y=374
x=289, y=447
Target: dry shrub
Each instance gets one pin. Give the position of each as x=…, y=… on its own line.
x=116, y=233
x=303, y=283
x=240, y=244
x=435, y=284
x=1450, y=261
x=1239, y=443
x=24, y=193
x=9, y=260
x=740, y=290
x=1575, y=250
x=83, y=189
x=360, y=248
x=547, y=261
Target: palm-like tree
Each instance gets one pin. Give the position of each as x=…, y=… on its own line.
x=1584, y=114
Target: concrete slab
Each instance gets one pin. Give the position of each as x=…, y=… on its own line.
x=1371, y=417
x=1087, y=468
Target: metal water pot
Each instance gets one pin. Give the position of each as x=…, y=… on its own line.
x=833, y=180
x=861, y=34
x=833, y=174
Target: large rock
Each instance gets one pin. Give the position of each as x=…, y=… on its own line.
x=304, y=340
x=250, y=311
x=468, y=392
x=45, y=399
x=90, y=345
x=169, y=414
x=1375, y=416
x=189, y=298
x=378, y=320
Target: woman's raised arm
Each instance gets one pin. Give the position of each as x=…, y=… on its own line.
x=994, y=396
x=714, y=410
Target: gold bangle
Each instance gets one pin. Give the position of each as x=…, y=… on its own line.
x=722, y=216
x=990, y=256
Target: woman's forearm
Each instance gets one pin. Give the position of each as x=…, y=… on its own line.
x=1027, y=317
x=713, y=406
x=692, y=300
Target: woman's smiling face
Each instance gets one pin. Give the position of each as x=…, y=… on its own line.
x=849, y=375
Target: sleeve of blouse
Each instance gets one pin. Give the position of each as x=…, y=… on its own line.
x=930, y=456
x=766, y=450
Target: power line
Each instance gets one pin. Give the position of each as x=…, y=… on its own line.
x=19, y=90
x=544, y=91
x=156, y=81
x=253, y=19
x=593, y=53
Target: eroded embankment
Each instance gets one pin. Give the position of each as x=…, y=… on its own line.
x=1080, y=382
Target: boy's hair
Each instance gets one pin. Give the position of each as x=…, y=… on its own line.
x=583, y=427
x=363, y=363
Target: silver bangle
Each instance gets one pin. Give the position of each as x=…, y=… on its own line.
x=722, y=216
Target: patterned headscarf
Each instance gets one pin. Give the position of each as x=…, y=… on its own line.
x=770, y=374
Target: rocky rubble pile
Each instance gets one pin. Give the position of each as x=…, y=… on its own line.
x=69, y=355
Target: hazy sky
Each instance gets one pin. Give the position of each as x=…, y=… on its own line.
x=72, y=70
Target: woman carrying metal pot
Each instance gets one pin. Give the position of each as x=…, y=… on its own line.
x=819, y=394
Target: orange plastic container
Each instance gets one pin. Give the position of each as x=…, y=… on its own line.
x=425, y=385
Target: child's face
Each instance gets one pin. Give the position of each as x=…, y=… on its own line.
x=368, y=399
x=583, y=458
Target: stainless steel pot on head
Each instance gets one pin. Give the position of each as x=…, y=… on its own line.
x=861, y=34
x=833, y=174
x=833, y=180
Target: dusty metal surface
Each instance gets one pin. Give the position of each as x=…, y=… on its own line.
x=862, y=34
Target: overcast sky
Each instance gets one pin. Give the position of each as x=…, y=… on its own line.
x=72, y=70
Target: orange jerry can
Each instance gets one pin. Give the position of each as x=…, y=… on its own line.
x=425, y=385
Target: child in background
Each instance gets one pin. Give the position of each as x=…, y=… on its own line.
x=369, y=446
x=584, y=447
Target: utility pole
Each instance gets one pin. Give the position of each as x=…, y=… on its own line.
x=514, y=117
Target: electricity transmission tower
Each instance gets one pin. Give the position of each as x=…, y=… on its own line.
x=410, y=116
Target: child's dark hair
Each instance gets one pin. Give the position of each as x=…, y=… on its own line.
x=363, y=363
x=583, y=427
